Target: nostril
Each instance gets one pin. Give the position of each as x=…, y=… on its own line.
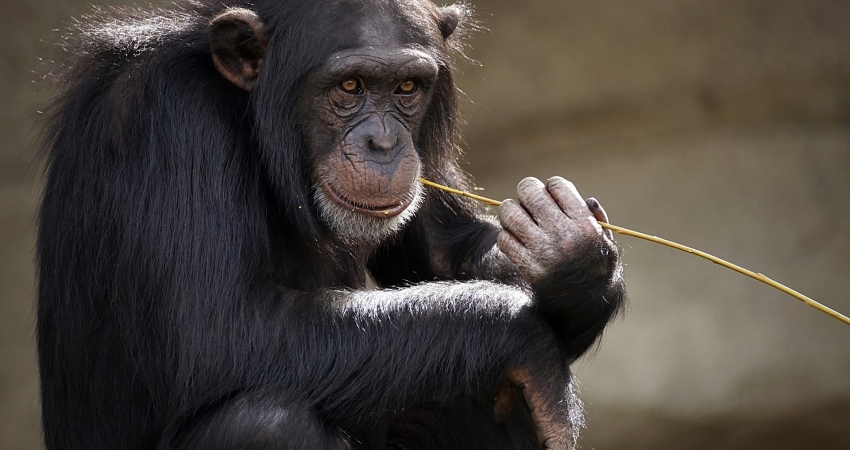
x=382, y=143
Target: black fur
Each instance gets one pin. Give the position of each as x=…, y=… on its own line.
x=190, y=298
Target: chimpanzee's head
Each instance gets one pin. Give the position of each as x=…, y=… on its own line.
x=362, y=109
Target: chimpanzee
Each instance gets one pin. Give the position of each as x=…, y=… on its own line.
x=222, y=177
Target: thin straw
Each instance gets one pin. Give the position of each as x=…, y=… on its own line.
x=681, y=247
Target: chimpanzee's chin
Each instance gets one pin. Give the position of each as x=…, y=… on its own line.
x=365, y=226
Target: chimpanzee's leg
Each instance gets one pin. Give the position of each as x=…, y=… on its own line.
x=443, y=427
x=256, y=422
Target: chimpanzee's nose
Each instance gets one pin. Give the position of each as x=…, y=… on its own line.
x=382, y=142
x=380, y=136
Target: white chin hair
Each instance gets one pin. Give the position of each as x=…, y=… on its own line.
x=360, y=228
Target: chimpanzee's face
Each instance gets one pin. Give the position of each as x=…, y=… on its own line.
x=364, y=111
x=360, y=111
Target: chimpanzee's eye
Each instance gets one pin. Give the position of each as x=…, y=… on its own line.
x=351, y=86
x=407, y=87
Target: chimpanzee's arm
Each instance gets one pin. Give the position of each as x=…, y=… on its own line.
x=348, y=355
x=576, y=278
x=435, y=336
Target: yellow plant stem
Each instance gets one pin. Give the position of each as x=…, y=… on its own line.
x=681, y=247
x=489, y=201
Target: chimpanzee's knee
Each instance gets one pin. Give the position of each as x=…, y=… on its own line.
x=255, y=423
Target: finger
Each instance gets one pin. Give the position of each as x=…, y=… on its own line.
x=599, y=213
x=516, y=220
x=504, y=402
x=520, y=256
x=597, y=210
x=534, y=197
x=510, y=246
x=552, y=425
x=567, y=197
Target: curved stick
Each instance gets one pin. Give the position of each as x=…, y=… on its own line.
x=681, y=247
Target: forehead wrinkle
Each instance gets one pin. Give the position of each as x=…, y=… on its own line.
x=378, y=62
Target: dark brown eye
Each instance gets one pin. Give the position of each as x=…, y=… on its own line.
x=351, y=86
x=407, y=87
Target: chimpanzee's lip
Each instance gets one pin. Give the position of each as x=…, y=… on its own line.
x=382, y=211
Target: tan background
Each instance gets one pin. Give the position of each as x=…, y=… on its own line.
x=723, y=124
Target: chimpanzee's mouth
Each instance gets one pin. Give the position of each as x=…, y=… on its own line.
x=375, y=210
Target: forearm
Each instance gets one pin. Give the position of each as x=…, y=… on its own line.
x=438, y=336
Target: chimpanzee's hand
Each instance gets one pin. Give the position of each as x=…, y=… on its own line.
x=547, y=225
x=549, y=228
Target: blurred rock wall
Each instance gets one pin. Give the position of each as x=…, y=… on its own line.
x=724, y=125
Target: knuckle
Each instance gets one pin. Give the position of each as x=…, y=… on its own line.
x=503, y=240
x=529, y=186
x=505, y=206
x=563, y=190
x=508, y=211
x=528, y=181
x=558, y=181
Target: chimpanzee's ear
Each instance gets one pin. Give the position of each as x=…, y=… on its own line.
x=238, y=44
x=448, y=19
